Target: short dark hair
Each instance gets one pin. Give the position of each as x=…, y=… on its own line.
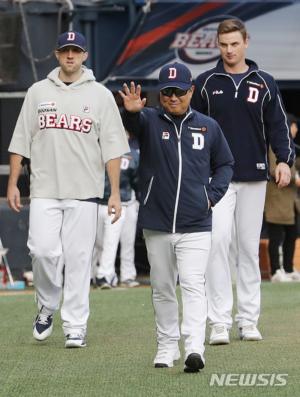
x=292, y=118
x=232, y=25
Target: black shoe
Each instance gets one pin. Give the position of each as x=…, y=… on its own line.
x=160, y=365
x=42, y=326
x=193, y=363
x=102, y=283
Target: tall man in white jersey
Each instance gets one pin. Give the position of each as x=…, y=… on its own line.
x=247, y=104
x=70, y=128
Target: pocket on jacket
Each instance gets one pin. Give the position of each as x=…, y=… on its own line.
x=194, y=197
x=206, y=195
x=148, y=191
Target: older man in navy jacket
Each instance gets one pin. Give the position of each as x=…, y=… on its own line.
x=185, y=169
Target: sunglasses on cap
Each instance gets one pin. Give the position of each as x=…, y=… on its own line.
x=169, y=91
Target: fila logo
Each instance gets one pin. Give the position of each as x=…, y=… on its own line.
x=172, y=73
x=165, y=135
x=71, y=36
x=253, y=95
x=198, y=141
x=216, y=92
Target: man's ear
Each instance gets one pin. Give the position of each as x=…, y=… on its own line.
x=85, y=57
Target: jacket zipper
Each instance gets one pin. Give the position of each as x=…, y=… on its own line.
x=179, y=167
x=235, y=86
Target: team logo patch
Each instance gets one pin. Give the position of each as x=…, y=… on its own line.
x=261, y=166
x=256, y=84
x=47, y=104
x=45, y=107
x=165, y=135
x=125, y=161
x=201, y=129
x=198, y=140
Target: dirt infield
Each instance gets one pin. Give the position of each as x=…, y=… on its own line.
x=6, y=292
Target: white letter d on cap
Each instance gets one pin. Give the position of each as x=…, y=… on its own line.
x=172, y=73
x=71, y=36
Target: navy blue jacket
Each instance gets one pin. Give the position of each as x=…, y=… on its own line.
x=251, y=115
x=176, y=165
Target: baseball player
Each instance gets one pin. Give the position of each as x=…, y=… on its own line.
x=180, y=150
x=127, y=245
x=108, y=233
x=128, y=231
x=246, y=102
x=69, y=127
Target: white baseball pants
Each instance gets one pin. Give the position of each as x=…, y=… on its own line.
x=242, y=208
x=107, y=241
x=186, y=255
x=127, y=241
x=61, y=238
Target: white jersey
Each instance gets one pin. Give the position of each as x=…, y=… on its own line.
x=69, y=132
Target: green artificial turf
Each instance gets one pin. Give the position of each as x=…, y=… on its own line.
x=121, y=348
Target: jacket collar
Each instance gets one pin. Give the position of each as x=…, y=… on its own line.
x=162, y=112
x=220, y=66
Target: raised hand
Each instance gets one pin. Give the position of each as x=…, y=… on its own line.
x=132, y=97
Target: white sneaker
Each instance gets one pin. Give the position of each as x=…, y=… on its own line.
x=280, y=276
x=219, y=335
x=102, y=283
x=75, y=340
x=42, y=326
x=294, y=276
x=165, y=358
x=28, y=277
x=250, y=333
x=129, y=284
x=114, y=281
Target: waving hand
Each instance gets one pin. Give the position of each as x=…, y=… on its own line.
x=132, y=97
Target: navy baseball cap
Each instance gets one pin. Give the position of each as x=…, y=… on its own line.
x=175, y=75
x=74, y=39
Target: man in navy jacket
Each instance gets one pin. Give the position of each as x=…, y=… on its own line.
x=246, y=102
x=185, y=169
